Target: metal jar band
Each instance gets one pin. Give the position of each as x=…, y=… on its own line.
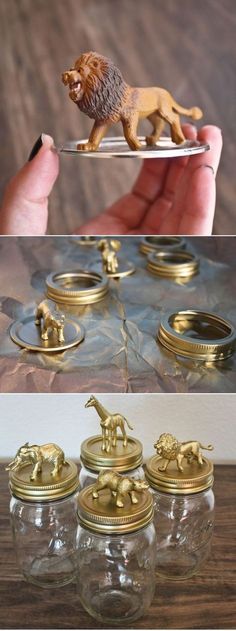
x=161, y=244
x=69, y=287
x=214, y=343
x=177, y=264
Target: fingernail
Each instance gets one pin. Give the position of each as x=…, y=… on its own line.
x=43, y=139
x=35, y=149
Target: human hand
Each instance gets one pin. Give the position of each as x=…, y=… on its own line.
x=171, y=196
x=24, y=209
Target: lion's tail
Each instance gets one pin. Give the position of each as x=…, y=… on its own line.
x=209, y=447
x=193, y=112
x=130, y=426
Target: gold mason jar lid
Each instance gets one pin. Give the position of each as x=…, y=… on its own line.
x=155, y=244
x=178, y=264
x=197, y=334
x=45, y=487
x=119, y=458
x=102, y=514
x=76, y=287
x=193, y=479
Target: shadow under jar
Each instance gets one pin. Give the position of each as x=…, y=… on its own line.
x=116, y=556
x=44, y=523
x=183, y=516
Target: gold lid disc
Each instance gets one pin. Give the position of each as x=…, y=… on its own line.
x=102, y=514
x=161, y=244
x=120, y=458
x=193, y=479
x=46, y=487
x=197, y=334
x=78, y=287
x=26, y=334
x=125, y=268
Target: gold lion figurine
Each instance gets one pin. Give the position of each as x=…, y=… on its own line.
x=97, y=87
x=120, y=486
x=169, y=448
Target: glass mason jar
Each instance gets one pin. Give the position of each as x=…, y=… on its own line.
x=44, y=521
x=123, y=459
x=116, y=555
x=183, y=515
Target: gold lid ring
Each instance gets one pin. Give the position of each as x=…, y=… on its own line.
x=197, y=334
x=78, y=287
x=178, y=264
x=163, y=244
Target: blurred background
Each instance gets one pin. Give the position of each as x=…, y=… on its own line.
x=63, y=419
x=188, y=47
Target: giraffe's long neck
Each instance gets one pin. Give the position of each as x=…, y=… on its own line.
x=102, y=412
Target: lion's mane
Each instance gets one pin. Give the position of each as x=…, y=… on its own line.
x=104, y=89
x=168, y=446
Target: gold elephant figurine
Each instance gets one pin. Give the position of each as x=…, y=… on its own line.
x=38, y=455
x=49, y=322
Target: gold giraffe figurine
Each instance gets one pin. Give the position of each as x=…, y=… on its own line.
x=49, y=322
x=169, y=448
x=37, y=455
x=109, y=424
x=108, y=250
x=98, y=89
x=120, y=486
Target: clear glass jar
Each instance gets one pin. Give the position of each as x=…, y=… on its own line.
x=87, y=477
x=45, y=540
x=116, y=545
x=116, y=574
x=181, y=479
x=184, y=527
x=43, y=508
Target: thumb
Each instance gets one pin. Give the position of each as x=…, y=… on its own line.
x=25, y=204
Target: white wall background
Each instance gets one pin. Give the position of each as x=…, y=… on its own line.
x=64, y=420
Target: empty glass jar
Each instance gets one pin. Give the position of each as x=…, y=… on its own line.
x=116, y=553
x=183, y=506
x=43, y=509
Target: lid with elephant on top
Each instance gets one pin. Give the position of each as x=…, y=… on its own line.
x=42, y=473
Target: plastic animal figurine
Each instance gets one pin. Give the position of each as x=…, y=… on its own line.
x=109, y=258
x=48, y=321
x=97, y=87
x=109, y=424
x=169, y=448
x=120, y=486
x=37, y=455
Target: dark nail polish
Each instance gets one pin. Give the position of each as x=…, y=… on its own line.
x=35, y=149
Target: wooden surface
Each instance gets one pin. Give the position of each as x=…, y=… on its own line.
x=187, y=47
x=205, y=601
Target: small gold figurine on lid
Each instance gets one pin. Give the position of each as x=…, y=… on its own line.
x=120, y=486
x=113, y=448
x=179, y=467
x=47, y=331
x=113, y=266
